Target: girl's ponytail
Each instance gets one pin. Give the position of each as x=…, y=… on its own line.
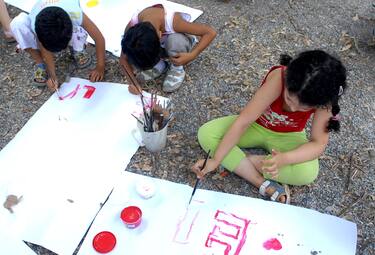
x=334, y=121
x=285, y=59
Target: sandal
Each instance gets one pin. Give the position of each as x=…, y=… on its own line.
x=279, y=191
x=40, y=75
x=81, y=58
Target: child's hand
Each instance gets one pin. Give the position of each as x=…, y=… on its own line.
x=52, y=84
x=211, y=165
x=134, y=90
x=182, y=58
x=273, y=164
x=97, y=74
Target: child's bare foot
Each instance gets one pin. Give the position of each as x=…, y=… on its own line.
x=9, y=37
x=275, y=191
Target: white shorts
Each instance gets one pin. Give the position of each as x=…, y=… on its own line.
x=22, y=32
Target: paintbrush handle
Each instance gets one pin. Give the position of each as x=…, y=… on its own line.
x=205, y=161
x=198, y=180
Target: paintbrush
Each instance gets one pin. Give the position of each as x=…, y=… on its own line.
x=197, y=180
x=57, y=90
x=137, y=119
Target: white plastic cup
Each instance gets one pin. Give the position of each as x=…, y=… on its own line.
x=154, y=141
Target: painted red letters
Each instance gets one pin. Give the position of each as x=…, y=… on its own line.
x=229, y=232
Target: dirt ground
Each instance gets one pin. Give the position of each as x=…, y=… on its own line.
x=251, y=35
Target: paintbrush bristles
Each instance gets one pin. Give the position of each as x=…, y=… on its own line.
x=155, y=115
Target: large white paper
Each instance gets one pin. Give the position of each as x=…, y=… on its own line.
x=111, y=17
x=65, y=160
x=216, y=223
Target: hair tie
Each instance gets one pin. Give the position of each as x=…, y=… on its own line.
x=336, y=117
x=341, y=90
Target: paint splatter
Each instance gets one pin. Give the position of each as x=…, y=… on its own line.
x=92, y=3
x=315, y=252
x=272, y=244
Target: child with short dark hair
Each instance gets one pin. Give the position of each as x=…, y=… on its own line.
x=159, y=32
x=51, y=27
x=275, y=119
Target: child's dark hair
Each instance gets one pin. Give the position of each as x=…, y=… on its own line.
x=141, y=45
x=53, y=28
x=317, y=79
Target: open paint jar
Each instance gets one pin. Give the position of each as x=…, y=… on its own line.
x=104, y=242
x=131, y=216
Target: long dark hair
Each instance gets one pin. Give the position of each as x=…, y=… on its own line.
x=318, y=80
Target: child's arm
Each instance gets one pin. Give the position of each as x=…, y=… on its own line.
x=308, y=151
x=98, y=73
x=262, y=99
x=127, y=69
x=207, y=34
x=49, y=59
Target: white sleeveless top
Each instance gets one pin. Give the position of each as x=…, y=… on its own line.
x=169, y=12
x=72, y=7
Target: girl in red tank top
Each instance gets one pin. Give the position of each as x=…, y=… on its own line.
x=275, y=118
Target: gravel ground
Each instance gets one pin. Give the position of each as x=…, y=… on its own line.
x=251, y=35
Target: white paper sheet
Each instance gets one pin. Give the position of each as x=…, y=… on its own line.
x=65, y=160
x=217, y=223
x=111, y=17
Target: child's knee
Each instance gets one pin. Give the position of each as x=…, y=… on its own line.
x=306, y=173
x=177, y=43
x=79, y=38
x=203, y=135
x=298, y=174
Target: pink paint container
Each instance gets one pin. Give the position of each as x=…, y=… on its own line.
x=131, y=216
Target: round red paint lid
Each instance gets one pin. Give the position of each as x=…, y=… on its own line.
x=104, y=242
x=131, y=214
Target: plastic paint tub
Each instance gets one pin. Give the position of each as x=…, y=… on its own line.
x=131, y=216
x=104, y=242
x=145, y=188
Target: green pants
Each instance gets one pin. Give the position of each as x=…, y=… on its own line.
x=256, y=136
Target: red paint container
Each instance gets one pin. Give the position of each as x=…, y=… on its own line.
x=131, y=216
x=104, y=242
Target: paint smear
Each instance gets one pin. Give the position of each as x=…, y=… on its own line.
x=183, y=229
x=272, y=244
x=92, y=3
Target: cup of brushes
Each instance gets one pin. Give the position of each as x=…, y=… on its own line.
x=153, y=125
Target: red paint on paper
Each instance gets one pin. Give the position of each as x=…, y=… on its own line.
x=178, y=230
x=219, y=236
x=72, y=93
x=89, y=92
x=272, y=244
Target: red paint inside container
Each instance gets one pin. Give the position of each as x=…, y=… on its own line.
x=104, y=242
x=131, y=216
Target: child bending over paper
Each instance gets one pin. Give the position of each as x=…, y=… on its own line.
x=157, y=33
x=275, y=119
x=51, y=27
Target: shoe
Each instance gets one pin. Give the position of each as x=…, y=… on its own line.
x=81, y=58
x=173, y=79
x=151, y=74
x=193, y=40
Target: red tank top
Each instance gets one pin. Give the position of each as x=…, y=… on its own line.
x=278, y=120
